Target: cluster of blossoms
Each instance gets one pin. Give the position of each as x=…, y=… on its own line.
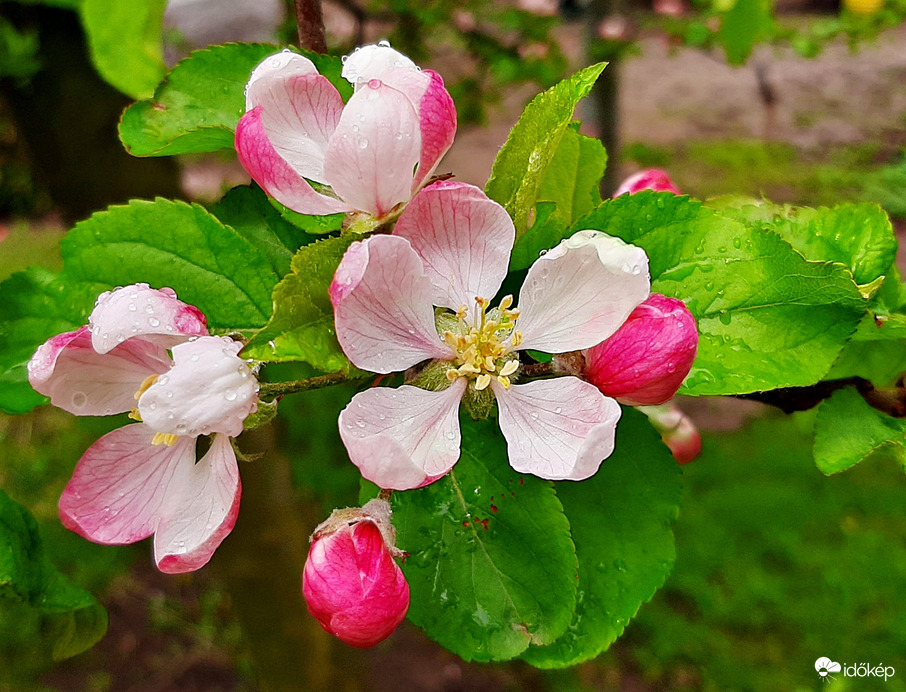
x=145, y=352
x=417, y=300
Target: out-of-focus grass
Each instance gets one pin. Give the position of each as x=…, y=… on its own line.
x=781, y=173
x=776, y=567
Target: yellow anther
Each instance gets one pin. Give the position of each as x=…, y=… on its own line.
x=508, y=369
x=462, y=312
x=516, y=340
x=482, y=302
x=143, y=387
x=164, y=439
x=452, y=375
x=489, y=364
x=482, y=381
x=505, y=381
x=506, y=302
x=135, y=415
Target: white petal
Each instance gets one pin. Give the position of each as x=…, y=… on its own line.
x=209, y=389
x=464, y=239
x=373, y=62
x=383, y=306
x=141, y=311
x=200, y=511
x=559, y=429
x=272, y=70
x=580, y=292
x=403, y=438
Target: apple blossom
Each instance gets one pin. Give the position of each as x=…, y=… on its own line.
x=649, y=356
x=351, y=583
x=318, y=156
x=450, y=249
x=143, y=478
x=677, y=431
x=649, y=179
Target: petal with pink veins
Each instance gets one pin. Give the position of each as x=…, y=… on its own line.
x=580, y=292
x=83, y=382
x=119, y=485
x=141, y=311
x=280, y=67
x=464, y=239
x=438, y=127
x=403, y=438
x=383, y=306
x=275, y=176
x=298, y=116
x=559, y=429
x=199, y=511
x=373, y=62
x=373, y=152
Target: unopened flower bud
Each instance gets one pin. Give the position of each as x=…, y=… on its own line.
x=646, y=360
x=649, y=179
x=677, y=431
x=351, y=583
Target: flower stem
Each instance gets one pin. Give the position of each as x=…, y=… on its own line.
x=537, y=370
x=271, y=390
x=311, y=25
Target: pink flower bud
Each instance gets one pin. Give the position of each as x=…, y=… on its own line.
x=646, y=360
x=649, y=179
x=677, y=431
x=351, y=583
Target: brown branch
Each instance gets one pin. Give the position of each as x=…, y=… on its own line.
x=790, y=399
x=311, y=25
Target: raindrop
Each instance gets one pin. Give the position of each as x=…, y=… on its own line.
x=194, y=358
x=230, y=395
x=360, y=422
x=162, y=380
x=384, y=44
x=344, y=59
x=451, y=435
x=363, y=143
x=79, y=399
x=132, y=307
x=558, y=410
x=154, y=322
x=181, y=429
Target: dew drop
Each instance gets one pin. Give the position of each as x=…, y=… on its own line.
x=384, y=44
x=230, y=395
x=154, y=322
x=132, y=307
x=163, y=379
x=558, y=410
x=79, y=399
x=360, y=422
x=363, y=143
x=194, y=358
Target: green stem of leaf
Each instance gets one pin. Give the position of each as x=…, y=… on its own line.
x=272, y=390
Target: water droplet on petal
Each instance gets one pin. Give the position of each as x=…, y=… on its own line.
x=79, y=399
x=154, y=322
x=132, y=307
x=230, y=395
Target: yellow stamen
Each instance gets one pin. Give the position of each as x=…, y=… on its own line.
x=164, y=439
x=508, y=369
x=482, y=381
x=143, y=387
x=505, y=381
x=135, y=415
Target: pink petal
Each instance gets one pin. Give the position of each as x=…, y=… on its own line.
x=81, y=381
x=209, y=389
x=273, y=70
x=649, y=356
x=403, y=438
x=275, y=176
x=298, y=116
x=580, y=292
x=199, y=511
x=120, y=484
x=383, y=306
x=353, y=586
x=437, y=114
x=649, y=179
x=139, y=310
x=373, y=153
x=464, y=239
x=373, y=62
x=677, y=430
x=559, y=429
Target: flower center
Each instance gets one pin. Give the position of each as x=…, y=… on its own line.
x=485, y=343
x=159, y=438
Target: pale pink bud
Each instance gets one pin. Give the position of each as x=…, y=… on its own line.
x=351, y=583
x=677, y=431
x=646, y=360
x=649, y=179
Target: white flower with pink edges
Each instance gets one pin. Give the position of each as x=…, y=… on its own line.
x=423, y=293
x=317, y=155
x=143, y=479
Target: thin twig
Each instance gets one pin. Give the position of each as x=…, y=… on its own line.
x=270, y=390
x=790, y=399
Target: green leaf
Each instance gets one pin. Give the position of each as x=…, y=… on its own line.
x=316, y=225
x=70, y=619
x=34, y=305
x=522, y=164
x=767, y=317
x=621, y=524
x=491, y=566
x=124, y=38
x=877, y=351
x=174, y=244
x=196, y=108
x=302, y=326
x=847, y=430
x=548, y=229
x=857, y=235
x=248, y=211
x=574, y=176
x=747, y=22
